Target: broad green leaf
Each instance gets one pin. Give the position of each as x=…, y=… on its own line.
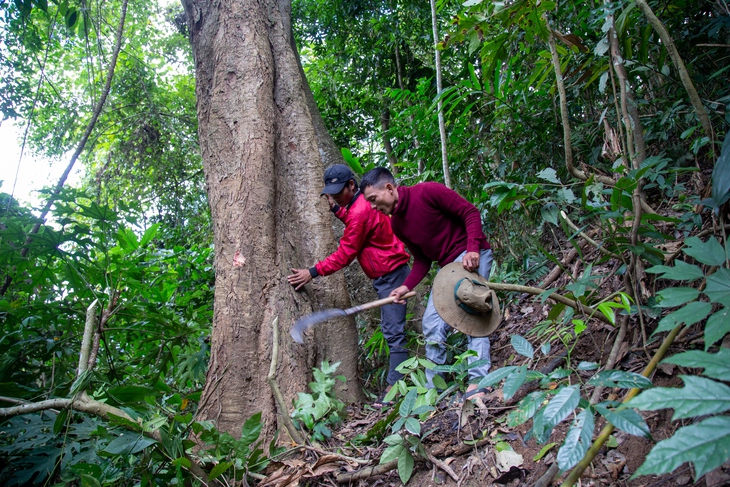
x=413, y=426
x=526, y=408
x=681, y=271
x=514, y=381
x=219, y=469
x=496, y=376
x=716, y=365
x=717, y=326
x=251, y=429
x=128, y=443
x=522, y=346
x=619, y=378
x=705, y=444
x=561, y=405
x=149, y=235
x=718, y=287
x=549, y=174
x=392, y=452
x=677, y=296
x=698, y=397
x=626, y=420
x=710, y=252
x=406, y=406
x=689, y=315
x=405, y=466
x=577, y=441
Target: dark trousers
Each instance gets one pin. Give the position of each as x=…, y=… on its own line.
x=393, y=319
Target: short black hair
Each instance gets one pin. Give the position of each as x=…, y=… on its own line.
x=376, y=177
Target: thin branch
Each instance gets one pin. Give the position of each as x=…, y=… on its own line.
x=608, y=429
x=439, y=86
x=681, y=69
x=580, y=307
x=278, y=396
x=86, y=340
x=82, y=142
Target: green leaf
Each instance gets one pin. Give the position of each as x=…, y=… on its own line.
x=352, y=161
x=514, y=381
x=619, y=378
x=705, y=444
x=626, y=420
x=677, y=296
x=522, y=346
x=60, y=421
x=710, y=252
x=149, y=235
x=549, y=174
x=128, y=443
x=526, y=408
x=577, y=441
x=251, y=429
x=496, y=376
x=718, y=287
x=681, y=271
x=543, y=451
x=406, y=406
x=688, y=315
x=219, y=469
x=561, y=405
x=392, y=452
x=716, y=365
x=698, y=397
x=405, y=466
x=413, y=426
x=717, y=326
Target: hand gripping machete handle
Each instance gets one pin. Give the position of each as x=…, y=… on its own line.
x=306, y=322
x=376, y=304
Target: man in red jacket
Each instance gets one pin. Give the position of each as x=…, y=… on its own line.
x=369, y=238
x=436, y=224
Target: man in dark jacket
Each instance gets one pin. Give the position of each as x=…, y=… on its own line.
x=436, y=224
x=369, y=238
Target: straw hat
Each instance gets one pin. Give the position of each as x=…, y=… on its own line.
x=464, y=301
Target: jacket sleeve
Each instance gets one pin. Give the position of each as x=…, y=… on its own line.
x=451, y=202
x=351, y=243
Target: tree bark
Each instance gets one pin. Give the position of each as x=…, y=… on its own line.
x=263, y=169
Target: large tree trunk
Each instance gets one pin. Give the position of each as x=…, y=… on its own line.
x=264, y=172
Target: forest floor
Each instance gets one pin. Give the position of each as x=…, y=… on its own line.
x=464, y=441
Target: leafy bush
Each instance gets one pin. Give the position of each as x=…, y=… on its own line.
x=320, y=409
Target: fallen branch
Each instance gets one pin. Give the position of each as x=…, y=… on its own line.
x=582, y=308
x=278, y=396
x=442, y=466
x=366, y=473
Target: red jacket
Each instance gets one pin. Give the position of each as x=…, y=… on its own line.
x=367, y=237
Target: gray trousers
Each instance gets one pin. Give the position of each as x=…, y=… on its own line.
x=436, y=330
x=393, y=320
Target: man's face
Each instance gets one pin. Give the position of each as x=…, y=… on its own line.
x=344, y=197
x=382, y=198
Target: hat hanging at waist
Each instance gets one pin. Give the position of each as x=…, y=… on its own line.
x=469, y=309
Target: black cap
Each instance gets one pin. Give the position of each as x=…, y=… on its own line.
x=335, y=178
